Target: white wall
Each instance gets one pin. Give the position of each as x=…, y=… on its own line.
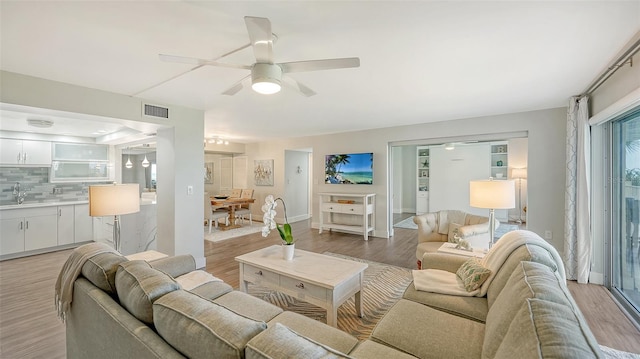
x=180, y=154
x=296, y=185
x=546, y=131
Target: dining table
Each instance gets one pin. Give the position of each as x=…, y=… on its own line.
x=231, y=203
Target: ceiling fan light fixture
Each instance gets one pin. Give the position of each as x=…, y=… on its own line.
x=265, y=78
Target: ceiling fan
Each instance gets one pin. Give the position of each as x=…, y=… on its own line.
x=267, y=77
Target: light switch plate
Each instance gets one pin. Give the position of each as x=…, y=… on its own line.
x=189, y=190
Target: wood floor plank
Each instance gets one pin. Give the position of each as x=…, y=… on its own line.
x=29, y=327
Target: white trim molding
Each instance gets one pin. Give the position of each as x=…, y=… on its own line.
x=616, y=109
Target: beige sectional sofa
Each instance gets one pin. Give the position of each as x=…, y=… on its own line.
x=135, y=309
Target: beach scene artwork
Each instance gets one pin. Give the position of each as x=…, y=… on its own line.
x=355, y=168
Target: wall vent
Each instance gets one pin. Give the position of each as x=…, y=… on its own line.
x=155, y=111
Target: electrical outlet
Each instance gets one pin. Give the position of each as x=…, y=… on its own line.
x=548, y=234
x=57, y=190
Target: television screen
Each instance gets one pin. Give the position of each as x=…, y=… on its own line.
x=354, y=168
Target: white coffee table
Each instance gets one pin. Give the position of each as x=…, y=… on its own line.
x=315, y=278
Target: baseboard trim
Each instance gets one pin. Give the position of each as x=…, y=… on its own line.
x=596, y=278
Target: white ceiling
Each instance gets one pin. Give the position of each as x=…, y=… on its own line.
x=420, y=61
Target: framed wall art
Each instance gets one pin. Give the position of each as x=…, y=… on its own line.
x=263, y=172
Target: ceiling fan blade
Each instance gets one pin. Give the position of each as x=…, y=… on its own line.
x=295, y=85
x=236, y=87
x=181, y=59
x=200, y=62
x=259, y=29
x=315, y=65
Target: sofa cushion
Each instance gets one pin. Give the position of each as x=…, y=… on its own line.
x=175, y=266
x=472, y=274
x=139, y=286
x=101, y=270
x=425, y=332
x=546, y=329
x=248, y=306
x=369, y=349
x=523, y=253
x=199, y=328
x=528, y=280
x=212, y=290
x=474, y=308
x=281, y=342
x=316, y=331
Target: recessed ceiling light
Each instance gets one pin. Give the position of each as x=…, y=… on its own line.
x=39, y=123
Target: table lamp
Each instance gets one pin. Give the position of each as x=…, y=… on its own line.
x=498, y=194
x=114, y=200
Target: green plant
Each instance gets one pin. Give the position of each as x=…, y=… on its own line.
x=269, y=209
x=633, y=175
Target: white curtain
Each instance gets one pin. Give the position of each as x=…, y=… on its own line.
x=577, y=245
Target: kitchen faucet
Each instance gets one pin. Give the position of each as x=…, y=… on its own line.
x=18, y=194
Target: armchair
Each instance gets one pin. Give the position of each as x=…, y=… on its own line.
x=437, y=227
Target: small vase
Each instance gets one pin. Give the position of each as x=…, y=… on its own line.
x=288, y=251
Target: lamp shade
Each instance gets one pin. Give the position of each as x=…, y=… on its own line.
x=492, y=194
x=519, y=173
x=113, y=200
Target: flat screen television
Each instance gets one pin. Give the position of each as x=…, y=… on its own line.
x=351, y=168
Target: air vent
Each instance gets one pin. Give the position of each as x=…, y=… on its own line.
x=156, y=111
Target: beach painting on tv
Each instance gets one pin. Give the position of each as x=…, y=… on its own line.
x=354, y=168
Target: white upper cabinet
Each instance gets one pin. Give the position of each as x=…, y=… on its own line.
x=80, y=152
x=25, y=152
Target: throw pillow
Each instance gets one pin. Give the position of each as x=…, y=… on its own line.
x=472, y=274
x=454, y=232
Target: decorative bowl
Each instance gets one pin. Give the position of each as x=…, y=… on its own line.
x=220, y=197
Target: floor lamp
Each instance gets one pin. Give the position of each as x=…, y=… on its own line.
x=519, y=174
x=492, y=194
x=114, y=200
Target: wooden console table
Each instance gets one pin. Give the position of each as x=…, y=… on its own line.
x=362, y=205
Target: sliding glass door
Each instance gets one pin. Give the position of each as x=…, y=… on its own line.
x=625, y=276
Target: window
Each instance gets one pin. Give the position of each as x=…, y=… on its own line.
x=625, y=200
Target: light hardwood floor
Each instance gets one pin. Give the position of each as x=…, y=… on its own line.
x=29, y=327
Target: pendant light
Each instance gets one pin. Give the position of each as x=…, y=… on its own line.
x=129, y=164
x=145, y=162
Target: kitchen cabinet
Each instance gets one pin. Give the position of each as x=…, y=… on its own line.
x=66, y=220
x=28, y=229
x=80, y=152
x=103, y=229
x=83, y=224
x=25, y=152
x=43, y=229
x=68, y=171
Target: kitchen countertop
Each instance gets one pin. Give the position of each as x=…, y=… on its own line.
x=41, y=204
x=143, y=202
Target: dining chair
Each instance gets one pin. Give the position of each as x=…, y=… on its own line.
x=245, y=209
x=214, y=216
x=235, y=193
